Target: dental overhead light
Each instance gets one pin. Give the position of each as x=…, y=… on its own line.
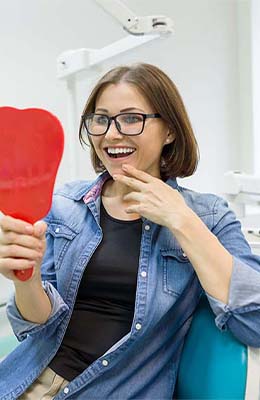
x=140, y=29
x=134, y=24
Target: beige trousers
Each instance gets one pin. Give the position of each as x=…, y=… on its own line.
x=46, y=386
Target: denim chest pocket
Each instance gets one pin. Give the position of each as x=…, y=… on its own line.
x=62, y=238
x=177, y=271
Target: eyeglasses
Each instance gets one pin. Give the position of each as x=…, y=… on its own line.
x=131, y=124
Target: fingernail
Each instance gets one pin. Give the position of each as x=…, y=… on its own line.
x=115, y=177
x=40, y=232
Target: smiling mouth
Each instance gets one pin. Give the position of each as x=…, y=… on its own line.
x=119, y=153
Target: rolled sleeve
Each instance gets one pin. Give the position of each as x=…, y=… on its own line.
x=22, y=328
x=243, y=303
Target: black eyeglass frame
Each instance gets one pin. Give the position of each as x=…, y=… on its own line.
x=114, y=118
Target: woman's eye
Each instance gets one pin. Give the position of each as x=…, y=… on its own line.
x=131, y=119
x=101, y=120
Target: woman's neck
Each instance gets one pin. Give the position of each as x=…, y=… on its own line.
x=115, y=190
x=115, y=205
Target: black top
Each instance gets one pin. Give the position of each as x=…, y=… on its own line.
x=104, y=307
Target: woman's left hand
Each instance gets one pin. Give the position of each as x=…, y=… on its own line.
x=153, y=199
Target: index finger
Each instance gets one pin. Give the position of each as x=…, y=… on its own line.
x=8, y=223
x=137, y=173
x=129, y=181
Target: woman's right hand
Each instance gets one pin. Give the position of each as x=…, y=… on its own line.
x=22, y=246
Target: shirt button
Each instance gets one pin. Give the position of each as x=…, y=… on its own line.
x=57, y=231
x=66, y=390
x=138, y=326
x=144, y=274
x=105, y=363
x=147, y=227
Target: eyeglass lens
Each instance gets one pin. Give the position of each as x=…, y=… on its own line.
x=129, y=124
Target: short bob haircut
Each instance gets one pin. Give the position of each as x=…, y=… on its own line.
x=179, y=158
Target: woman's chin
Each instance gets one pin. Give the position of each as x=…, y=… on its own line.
x=116, y=170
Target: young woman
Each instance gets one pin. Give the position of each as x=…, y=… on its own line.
x=127, y=257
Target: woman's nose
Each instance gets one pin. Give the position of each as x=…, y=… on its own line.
x=113, y=130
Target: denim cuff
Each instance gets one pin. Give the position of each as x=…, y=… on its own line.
x=22, y=327
x=244, y=294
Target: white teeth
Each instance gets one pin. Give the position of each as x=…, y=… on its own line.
x=120, y=150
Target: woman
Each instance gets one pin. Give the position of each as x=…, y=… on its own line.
x=127, y=257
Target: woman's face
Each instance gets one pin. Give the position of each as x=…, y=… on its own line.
x=147, y=147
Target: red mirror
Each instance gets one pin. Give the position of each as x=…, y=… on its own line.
x=31, y=147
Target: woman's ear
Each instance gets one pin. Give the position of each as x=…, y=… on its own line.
x=170, y=137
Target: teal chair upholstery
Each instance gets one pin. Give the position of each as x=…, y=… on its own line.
x=213, y=363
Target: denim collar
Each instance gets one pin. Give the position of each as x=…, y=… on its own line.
x=95, y=189
x=90, y=191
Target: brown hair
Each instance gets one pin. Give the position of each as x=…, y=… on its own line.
x=179, y=158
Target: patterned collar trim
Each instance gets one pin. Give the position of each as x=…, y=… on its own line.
x=96, y=189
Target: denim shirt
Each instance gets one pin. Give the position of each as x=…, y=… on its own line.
x=144, y=363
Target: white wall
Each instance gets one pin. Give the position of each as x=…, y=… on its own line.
x=203, y=57
x=249, y=84
x=255, y=40
x=245, y=114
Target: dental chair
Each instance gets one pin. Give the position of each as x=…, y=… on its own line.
x=214, y=364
